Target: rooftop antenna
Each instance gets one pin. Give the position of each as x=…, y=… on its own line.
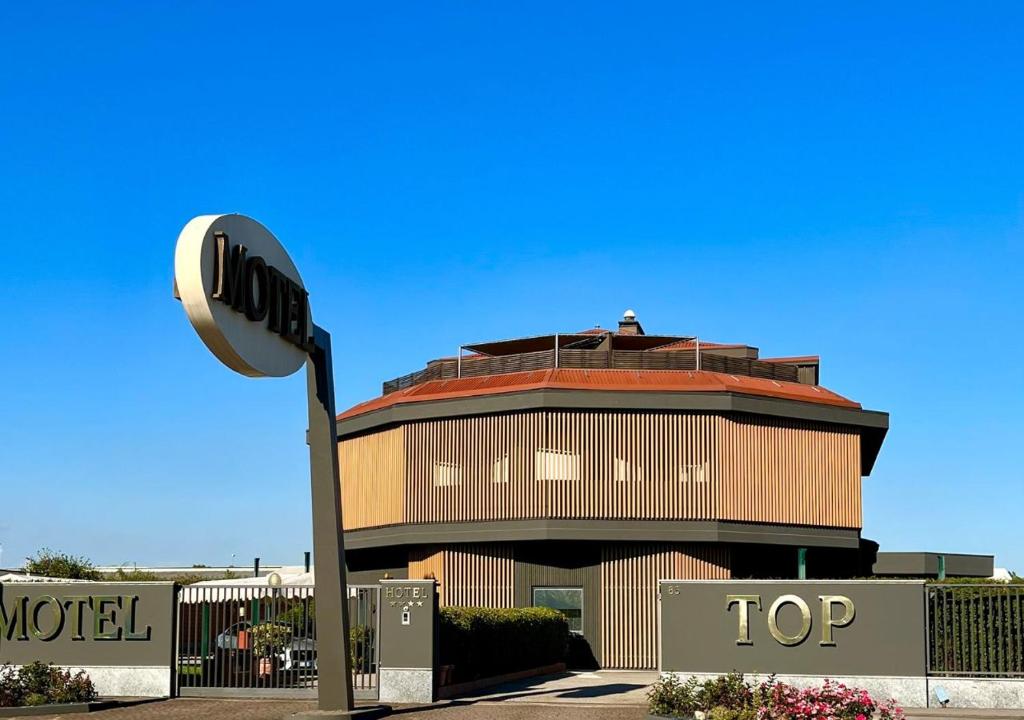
x=696, y=341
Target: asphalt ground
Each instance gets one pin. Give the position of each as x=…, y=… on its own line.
x=603, y=695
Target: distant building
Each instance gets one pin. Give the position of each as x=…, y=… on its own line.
x=928, y=565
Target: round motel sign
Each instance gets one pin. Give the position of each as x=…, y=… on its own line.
x=243, y=295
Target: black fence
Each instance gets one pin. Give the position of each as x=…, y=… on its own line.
x=975, y=630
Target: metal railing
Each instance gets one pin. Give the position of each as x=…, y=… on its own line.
x=364, y=631
x=975, y=630
x=476, y=366
x=248, y=638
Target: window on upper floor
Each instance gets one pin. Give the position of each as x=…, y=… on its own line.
x=499, y=470
x=447, y=474
x=626, y=471
x=694, y=473
x=557, y=465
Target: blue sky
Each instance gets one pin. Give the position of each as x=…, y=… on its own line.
x=804, y=178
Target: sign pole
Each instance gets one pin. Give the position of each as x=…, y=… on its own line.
x=332, y=623
x=246, y=300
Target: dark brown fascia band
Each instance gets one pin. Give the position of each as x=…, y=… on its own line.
x=872, y=423
x=601, y=530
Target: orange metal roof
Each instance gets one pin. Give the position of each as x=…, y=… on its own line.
x=605, y=380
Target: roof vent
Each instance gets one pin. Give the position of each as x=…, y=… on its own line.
x=629, y=325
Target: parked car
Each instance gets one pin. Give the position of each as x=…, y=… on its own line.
x=298, y=654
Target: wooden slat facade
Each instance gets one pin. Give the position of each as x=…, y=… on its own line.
x=468, y=574
x=629, y=607
x=620, y=586
x=570, y=565
x=373, y=479
x=603, y=465
x=790, y=473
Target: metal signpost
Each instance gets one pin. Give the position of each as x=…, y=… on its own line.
x=245, y=299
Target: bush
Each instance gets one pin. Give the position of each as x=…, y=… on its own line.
x=269, y=639
x=60, y=565
x=730, y=697
x=133, y=575
x=833, y=700
x=41, y=684
x=484, y=642
x=360, y=648
x=671, y=698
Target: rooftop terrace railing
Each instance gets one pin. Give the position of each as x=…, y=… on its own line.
x=475, y=366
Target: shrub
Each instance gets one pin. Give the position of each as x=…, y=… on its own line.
x=729, y=692
x=360, y=647
x=730, y=697
x=268, y=639
x=41, y=684
x=484, y=642
x=11, y=692
x=831, y=700
x=60, y=565
x=671, y=698
x=133, y=575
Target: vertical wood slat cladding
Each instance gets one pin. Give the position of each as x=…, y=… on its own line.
x=602, y=465
x=629, y=608
x=632, y=465
x=790, y=472
x=373, y=479
x=573, y=565
x=468, y=575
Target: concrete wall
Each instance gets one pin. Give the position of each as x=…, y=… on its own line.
x=121, y=634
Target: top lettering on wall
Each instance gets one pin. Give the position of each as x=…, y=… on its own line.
x=243, y=295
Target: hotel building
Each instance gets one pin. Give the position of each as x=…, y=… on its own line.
x=576, y=470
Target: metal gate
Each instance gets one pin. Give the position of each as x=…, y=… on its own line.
x=255, y=640
x=364, y=639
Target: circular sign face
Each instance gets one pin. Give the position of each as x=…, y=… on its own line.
x=243, y=295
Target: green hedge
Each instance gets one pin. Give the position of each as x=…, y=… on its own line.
x=976, y=629
x=483, y=642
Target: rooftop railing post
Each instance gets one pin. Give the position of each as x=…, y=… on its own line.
x=696, y=341
x=459, y=369
x=556, y=350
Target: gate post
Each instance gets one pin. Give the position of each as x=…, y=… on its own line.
x=408, y=620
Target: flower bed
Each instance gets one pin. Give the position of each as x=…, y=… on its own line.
x=41, y=684
x=731, y=697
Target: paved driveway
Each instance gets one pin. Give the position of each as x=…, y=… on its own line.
x=604, y=687
x=209, y=709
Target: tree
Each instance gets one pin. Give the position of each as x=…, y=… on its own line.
x=60, y=565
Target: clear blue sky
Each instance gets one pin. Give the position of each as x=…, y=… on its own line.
x=803, y=178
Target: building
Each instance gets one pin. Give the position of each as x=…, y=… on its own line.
x=576, y=470
x=933, y=565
